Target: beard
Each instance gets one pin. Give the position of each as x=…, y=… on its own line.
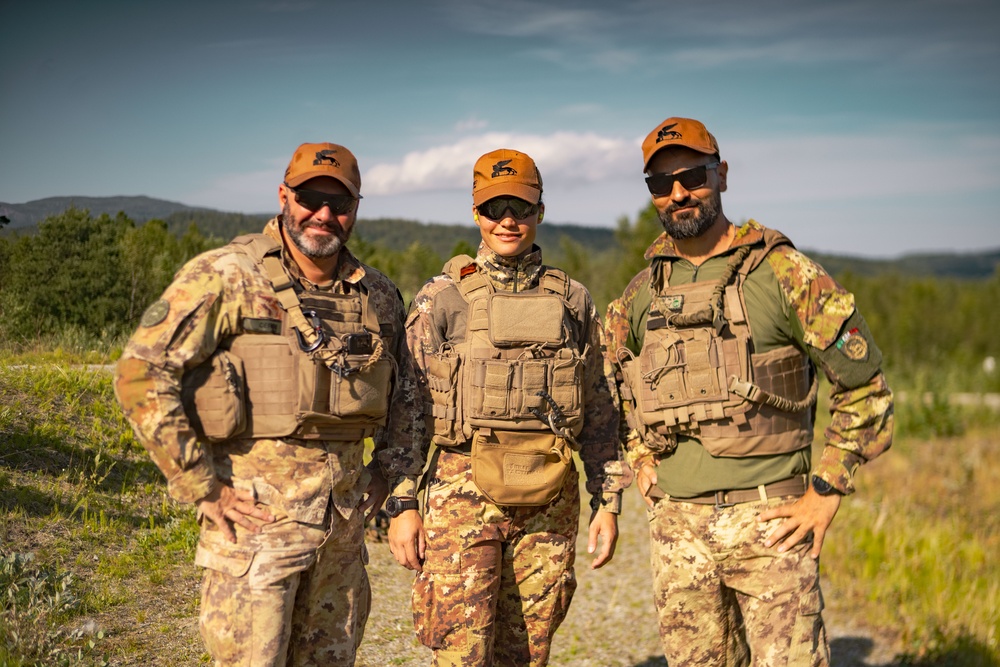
x=691, y=224
x=312, y=247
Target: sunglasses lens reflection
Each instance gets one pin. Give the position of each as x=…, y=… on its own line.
x=314, y=201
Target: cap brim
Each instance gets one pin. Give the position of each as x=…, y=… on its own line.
x=519, y=190
x=305, y=176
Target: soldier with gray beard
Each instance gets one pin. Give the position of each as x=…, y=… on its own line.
x=717, y=345
x=253, y=382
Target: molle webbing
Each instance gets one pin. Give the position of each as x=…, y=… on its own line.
x=697, y=374
x=325, y=374
x=517, y=368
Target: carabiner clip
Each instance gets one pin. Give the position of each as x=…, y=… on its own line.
x=317, y=327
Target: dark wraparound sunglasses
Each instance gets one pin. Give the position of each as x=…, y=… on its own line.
x=690, y=179
x=314, y=200
x=495, y=208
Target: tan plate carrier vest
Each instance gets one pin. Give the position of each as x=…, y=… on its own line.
x=697, y=374
x=320, y=373
x=513, y=387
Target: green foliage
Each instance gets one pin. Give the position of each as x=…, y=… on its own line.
x=934, y=333
x=92, y=274
x=34, y=600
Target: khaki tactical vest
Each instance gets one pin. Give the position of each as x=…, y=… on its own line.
x=697, y=373
x=517, y=369
x=513, y=387
x=320, y=372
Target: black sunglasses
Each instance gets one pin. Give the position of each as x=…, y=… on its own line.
x=314, y=200
x=691, y=179
x=495, y=208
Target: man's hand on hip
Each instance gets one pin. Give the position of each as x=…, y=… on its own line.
x=226, y=504
x=812, y=513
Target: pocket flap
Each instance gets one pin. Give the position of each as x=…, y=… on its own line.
x=226, y=558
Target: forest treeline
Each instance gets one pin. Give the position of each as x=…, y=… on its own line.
x=95, y=276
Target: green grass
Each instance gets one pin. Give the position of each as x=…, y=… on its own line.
x=912, y=555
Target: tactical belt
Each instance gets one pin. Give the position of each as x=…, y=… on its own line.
x=793, y=486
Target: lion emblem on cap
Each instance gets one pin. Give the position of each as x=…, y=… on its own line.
x=501, y=169
x=326, y=157
x=667, y=132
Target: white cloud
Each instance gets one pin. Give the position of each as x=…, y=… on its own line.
x=562, y=157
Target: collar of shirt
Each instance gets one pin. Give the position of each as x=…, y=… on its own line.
x=510, y=274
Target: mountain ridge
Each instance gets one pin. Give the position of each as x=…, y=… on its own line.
x=400, y=234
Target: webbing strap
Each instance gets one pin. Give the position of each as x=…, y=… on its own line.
x=752, y=392
x=327, y=351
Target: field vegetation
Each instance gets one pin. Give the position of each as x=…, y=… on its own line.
x=96, y=560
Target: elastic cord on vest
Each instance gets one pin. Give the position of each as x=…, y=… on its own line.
x=712, y=314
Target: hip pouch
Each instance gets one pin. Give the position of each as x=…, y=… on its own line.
x=520, y=468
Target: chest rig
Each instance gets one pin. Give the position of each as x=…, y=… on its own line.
x=698, y=374
x=322, y=372
x=518, y=368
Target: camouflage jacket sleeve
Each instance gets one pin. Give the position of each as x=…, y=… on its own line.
x=836, y=337
x=620, y=334
x=405, y=455
x=603, y=461
x=176, y=333
x=403, y=410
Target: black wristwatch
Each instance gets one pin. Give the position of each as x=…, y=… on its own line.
x=597, y=502
x=823, y=487
x=395, y=506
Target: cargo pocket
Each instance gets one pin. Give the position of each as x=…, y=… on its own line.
x=809, y=645
x=226, y=558
x=562, y=595
x=439, y=616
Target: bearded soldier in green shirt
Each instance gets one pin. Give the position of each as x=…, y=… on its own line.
x=717, y=346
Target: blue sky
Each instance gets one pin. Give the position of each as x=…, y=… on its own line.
x=868, y=128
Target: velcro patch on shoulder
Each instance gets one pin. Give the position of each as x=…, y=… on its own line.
x=468, y=270
x=156, y=313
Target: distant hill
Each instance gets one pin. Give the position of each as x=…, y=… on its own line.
x=25, y=217
x=398, y=235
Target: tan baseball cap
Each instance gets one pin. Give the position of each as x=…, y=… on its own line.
x=684, y=132
x=312, y=160
x=505, y=172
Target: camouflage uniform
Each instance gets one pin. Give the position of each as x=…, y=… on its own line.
x=496, y=580
x=297, y=591
x=718, y=590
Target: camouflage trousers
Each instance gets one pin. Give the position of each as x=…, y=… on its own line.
x=496, y=581
x=723, y=598
x=294, y=594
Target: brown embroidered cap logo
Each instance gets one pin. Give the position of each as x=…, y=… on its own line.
x=684, y=132
x=505, y=172
x=324, y=159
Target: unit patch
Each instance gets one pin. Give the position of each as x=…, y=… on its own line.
x=156, y=313
x=675, y=303
x=853, y=345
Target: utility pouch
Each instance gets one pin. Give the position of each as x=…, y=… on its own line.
x=520, y=468
x=214, y=394
x=442, y=381
x=364, y=393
